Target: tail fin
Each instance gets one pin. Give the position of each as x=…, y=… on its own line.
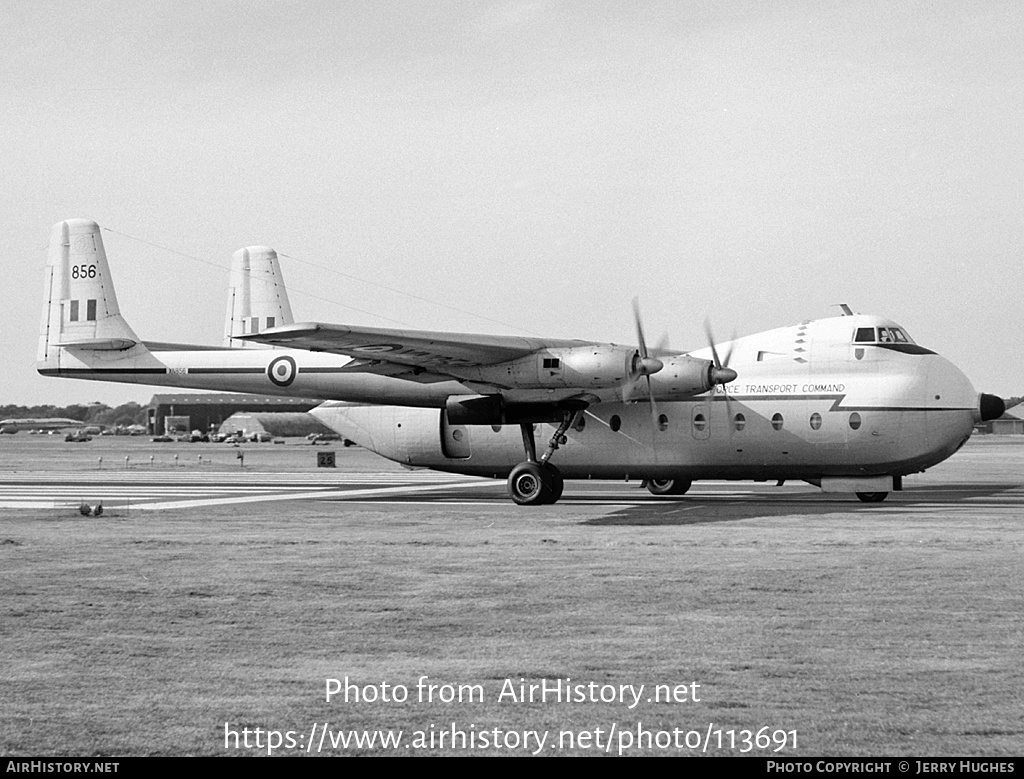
x=80, y=309
x=257, y=298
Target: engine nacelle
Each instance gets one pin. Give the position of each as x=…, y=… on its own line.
x=586, y=367
x=682, y=376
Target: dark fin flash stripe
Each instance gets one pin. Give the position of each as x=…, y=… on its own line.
x=225, y=370
x=102, y=371
x=140, y=371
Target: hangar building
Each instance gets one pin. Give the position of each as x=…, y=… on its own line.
x=208, y=411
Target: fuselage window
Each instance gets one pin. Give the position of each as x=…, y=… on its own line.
x=865, y=335
x=699, y=423
x=615, y=423
x=815, y=421
x=777, y=421
x=663, y=422
x=90, y=310
x=552, y=362
x=739, y=421
x=854, y=421
x=496, y=428
x=73, y=315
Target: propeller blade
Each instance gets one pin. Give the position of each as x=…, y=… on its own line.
x=645, y=365
x=728, y=411
x=721, y=373
x=654, y=420
x=728, y=353
x=663, y=346
x=639, y=328
x=711, y=342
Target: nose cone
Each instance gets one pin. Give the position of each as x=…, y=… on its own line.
x=991, y=407
x=723, y=375
x=649, y=366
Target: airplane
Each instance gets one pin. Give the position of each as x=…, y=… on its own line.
x=851, y=404
x=38, y=423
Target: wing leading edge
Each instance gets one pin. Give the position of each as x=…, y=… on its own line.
x=433, y=351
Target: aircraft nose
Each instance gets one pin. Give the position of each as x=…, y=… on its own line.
x=991, y=407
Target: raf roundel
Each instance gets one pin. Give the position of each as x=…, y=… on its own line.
x=282, y=371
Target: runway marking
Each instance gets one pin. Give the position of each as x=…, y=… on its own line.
x=144, y=490
x=333, y=494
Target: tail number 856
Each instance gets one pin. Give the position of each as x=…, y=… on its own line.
x=83, y=271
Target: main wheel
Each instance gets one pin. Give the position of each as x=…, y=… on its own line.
x=556, y=480
x=530, y=484
x=872, y=497
x=668, y=486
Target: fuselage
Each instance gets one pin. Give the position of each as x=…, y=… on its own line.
x=810, y=401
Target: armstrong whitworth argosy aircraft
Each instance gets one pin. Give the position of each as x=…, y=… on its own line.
x=849, y=403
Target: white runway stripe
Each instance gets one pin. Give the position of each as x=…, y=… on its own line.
x=225, y=477
x=334, y=495
x=184, y=490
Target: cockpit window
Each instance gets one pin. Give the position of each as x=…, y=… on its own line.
x=891, y=335
x=882, y=335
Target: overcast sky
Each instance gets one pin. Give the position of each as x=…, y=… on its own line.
x=535, y=163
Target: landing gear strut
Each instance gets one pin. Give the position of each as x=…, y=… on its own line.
x=537, y=482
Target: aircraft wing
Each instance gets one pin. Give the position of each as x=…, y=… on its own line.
x=432, y=351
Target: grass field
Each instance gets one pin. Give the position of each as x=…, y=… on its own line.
x=867, y=631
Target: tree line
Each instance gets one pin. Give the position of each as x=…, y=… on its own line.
x=91, y=414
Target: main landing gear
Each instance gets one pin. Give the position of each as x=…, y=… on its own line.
x=538, y=482
x=668, y=486
x=872, y=497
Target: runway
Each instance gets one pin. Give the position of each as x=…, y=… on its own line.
x=147, y=491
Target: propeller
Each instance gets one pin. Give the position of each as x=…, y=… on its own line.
x=643, y=363
x=720, y=373
x=644, y=366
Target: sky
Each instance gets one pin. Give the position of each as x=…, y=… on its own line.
x=524, y=167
